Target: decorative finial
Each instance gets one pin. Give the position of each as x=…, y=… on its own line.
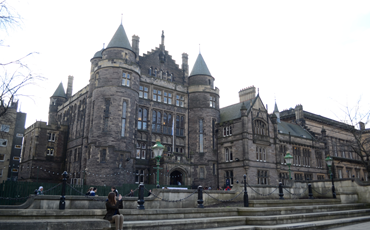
x=103, y=45
x=258, y=90
x=199, y=48
x=121, y=18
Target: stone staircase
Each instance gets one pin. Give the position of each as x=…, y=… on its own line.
x=264, y=214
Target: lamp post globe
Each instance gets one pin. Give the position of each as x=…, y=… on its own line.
x=158, y=150
x=329, y=162
x=288, y=159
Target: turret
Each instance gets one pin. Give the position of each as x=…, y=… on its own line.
x=204, y=113
x=114, y=83
x=58, y=98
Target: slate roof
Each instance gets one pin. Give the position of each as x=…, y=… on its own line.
x=120, y=39
x=290, y=114
x=294, y=129
x=233, y=111
x=59, y=92
x=98, y=54
x=276, y=108
x=200, y=67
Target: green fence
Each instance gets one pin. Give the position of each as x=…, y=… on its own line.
x=9, y=190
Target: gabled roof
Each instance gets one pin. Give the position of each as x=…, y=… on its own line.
x=200, y=67
x=293, y=129
x=233, y=111
x=120, y=39
x=60, y=91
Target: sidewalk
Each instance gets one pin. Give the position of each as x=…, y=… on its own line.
x=362, y=226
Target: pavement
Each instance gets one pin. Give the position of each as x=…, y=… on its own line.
x=361, y=226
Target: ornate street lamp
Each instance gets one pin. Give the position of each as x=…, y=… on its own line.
x=288, y=158
x=158, y=150
x=329, y=162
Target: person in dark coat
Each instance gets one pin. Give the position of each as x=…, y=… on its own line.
x=113, y=207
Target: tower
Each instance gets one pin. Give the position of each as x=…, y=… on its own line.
x=204, y=113
x=58, y=98
x=112, y=99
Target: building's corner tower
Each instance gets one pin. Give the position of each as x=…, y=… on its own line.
x=113, y=96
x=204, y=113
x=58, y=98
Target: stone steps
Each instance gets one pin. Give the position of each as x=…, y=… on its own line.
x=49, y=224
x=305, y=217
x=300, y=221
x=159, y=214
x=323, y=224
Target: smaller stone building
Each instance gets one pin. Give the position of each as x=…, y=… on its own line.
x=11, y=135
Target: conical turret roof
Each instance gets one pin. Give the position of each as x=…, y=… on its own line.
x=60, y=91
x=276, y=108
x=200, y=67
x=98, y=54
x=120, y=39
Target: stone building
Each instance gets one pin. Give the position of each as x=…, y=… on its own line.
x=337, y=138
x=105, y=131
x=11, y=135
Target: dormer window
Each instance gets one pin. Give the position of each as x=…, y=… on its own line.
x=126, y=79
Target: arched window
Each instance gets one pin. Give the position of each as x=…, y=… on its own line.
x=260, y=128
x=150, y=71
x=155, y=72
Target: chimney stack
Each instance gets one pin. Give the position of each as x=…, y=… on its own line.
x=69, y=86
x=247, y=94
x=185, y=65
x=135, y=45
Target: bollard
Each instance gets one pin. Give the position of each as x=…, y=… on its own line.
x=62, y=201
x=246, y=203
x=200, y=196
x=310, y=196
x=141, y=200
x=281, y=193
x=332, y=187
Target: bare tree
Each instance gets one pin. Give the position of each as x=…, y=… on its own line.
x=15, y=74
x=359, y=142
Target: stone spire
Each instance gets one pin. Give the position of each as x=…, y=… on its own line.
x=277, y=113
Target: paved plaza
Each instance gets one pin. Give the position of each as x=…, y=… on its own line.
x=362, y=226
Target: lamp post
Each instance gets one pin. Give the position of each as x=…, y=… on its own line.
x=288, y=158
x=329, y=162
x=158, y=150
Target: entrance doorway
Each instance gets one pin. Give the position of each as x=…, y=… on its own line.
x=176, y=178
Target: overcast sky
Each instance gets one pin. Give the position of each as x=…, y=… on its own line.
x=314, y=53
